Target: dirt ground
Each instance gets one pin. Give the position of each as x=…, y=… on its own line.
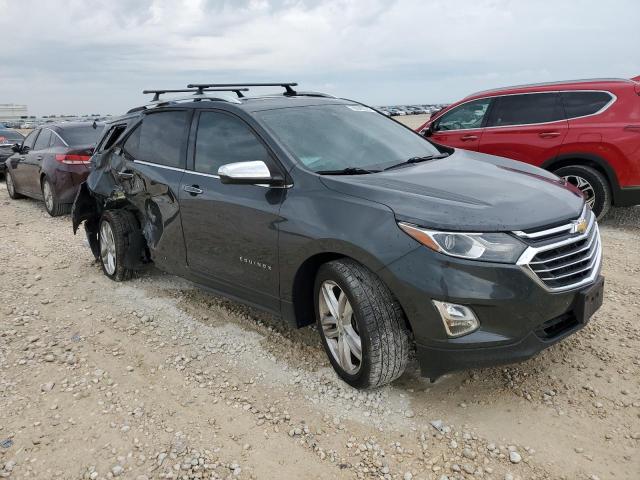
x=154, y=378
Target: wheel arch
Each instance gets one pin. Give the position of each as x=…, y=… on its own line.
x=303, y=282
x=589, y=160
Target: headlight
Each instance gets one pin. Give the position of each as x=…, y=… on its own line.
x=487, y=247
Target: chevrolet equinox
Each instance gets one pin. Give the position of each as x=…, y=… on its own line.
x=320, y=209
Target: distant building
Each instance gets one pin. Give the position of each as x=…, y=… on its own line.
x=10, y=112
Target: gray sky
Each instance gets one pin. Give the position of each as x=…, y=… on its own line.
x=84, y=56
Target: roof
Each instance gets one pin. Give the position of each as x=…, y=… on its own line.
x=63, y=125
x=595, y=83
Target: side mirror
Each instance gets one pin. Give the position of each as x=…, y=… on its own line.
x=428, y=130
x=247, y=173
x=16, y=147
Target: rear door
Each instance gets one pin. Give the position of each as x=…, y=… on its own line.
x=526, y=127
x=230, y=231
x=462, y=126
x=149, y=166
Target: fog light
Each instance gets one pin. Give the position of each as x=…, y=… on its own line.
x=458, y=320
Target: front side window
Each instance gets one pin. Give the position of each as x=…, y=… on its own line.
x=466, y=116
x=30, y=140
x=160, y=138
x=580, y=104
x=526, y=109
x=221, y=139
x=335, y=137
x=43, y=140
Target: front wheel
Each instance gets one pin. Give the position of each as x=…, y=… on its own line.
x=361, y=324
x=11, y=187
x=593, y=185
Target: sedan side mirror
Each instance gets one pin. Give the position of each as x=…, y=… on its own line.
x=16, y=147
x=248, y=173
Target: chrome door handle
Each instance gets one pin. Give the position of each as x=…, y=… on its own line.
x=465, y=138
x=39, y=157
x=549, y=134
x=193, y=189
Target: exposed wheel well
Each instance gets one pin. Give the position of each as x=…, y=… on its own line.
x=304, y=281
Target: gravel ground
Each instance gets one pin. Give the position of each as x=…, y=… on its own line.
x=154, y=378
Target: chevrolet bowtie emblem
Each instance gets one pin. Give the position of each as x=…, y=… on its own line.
x=579, y=226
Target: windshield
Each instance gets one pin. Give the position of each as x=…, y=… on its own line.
x=81, y=135
x=334, y=137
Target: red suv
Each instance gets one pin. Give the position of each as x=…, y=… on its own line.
x=586, y=131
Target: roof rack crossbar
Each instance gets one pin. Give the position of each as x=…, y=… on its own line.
x=196, y=91
x=286, y=85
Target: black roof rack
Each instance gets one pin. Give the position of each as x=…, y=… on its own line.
x=288, y=90
x=197, y=91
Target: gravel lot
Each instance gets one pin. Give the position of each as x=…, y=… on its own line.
x=154, y=378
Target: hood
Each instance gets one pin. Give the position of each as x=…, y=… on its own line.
x=468, y=191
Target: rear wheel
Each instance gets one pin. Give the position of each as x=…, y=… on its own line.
x=116, y=230
x=11, y=187
x=593, y=185
x=361, y=324
x=51, y=203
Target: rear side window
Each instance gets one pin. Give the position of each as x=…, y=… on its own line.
x=467, y=115
x=222, y=139
x=526, y=109
x=43, y=140
x=81, y=135
x=160, y=138
x=112, y=136
x=580, y=104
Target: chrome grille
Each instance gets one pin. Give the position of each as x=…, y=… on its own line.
x=560, y=258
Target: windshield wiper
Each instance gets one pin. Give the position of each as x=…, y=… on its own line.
x=417, y=160
x=347, y=171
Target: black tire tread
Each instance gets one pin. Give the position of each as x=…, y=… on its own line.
x=601, y=186
x=58, y=208
x=123, y=224
x=15, y=195
x=381, y=315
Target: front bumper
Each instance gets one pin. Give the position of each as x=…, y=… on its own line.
x=513, y=310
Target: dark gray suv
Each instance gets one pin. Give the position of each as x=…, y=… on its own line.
x=321, y=209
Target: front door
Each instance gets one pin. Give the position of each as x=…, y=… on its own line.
x=18, y=164
x=33, y=162
x=527, y=127
x=461, y=127
x=230, y=231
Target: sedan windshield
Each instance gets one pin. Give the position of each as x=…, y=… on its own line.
x=337, y=137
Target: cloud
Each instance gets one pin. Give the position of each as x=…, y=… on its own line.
x=87, y=56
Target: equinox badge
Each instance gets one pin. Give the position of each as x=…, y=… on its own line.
x=579, y=226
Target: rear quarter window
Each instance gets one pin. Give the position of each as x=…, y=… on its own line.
x=160, y=138
x=581, y=104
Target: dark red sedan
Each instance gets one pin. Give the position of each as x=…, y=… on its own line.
x=51, y=163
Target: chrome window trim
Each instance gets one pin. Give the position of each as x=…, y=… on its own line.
x=613, y=96
x=210, y=175
x=57, y=135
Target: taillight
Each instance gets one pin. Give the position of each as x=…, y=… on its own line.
x=73, y=159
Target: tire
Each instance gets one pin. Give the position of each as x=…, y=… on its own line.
x=51, y=203
x=115, y=235
x=11, y=187
x=592, y=183
x=376, y=318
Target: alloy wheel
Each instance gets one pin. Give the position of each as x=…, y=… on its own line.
x=584, y=186
x=48, y=195
x=339, y=327
x=108, y=248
